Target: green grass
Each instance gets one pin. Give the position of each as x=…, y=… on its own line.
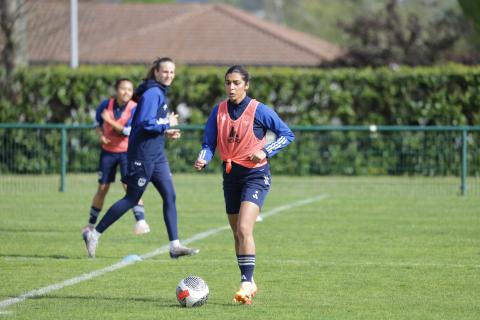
x=375, y=248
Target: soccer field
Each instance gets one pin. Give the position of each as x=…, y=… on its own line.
x=328, y=248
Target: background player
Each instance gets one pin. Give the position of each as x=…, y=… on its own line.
x=113, y=120
x=147, y=159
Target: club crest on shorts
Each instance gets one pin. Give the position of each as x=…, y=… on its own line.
x=266, y=180
x=141, y=182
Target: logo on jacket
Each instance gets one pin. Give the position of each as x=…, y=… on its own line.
x=165, y=107
x=233, y=136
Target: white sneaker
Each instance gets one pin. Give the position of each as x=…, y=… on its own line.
x=141, y=227
x=91, y=242
x=181, y=250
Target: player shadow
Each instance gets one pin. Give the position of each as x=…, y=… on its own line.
x=160, y=302
x=113, y=259
x=20, y=230
x=35, y=256
x=231, y=304
x=223, y=304
x=165, y=302
x=100, y=298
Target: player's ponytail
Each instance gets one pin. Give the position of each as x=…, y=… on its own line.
x=155, y=66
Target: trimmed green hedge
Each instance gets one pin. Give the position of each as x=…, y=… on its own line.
x=446, y=95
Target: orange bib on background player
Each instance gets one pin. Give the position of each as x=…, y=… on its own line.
x=236, y=140
x=118, y=142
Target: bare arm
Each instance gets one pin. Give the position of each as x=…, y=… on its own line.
x=101, y=137
x=115, y=125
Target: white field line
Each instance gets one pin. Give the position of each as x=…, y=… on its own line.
x=163, y=249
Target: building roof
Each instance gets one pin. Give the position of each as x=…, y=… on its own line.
x=195, y=34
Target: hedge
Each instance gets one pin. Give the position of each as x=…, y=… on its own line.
x=443, y=95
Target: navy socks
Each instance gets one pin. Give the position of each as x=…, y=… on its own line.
x=94, y=212
x=246, y=263
x=139, y=212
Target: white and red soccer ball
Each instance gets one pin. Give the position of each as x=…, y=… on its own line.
x=192, y=292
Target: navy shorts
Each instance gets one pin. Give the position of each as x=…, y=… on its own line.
x=141, y=172
x=107, y=168
x=245, y=184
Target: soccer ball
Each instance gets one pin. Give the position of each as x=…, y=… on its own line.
x=192, y=292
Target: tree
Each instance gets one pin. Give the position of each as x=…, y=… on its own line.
x=13, y=35
x=471, y=10
x=387, y=37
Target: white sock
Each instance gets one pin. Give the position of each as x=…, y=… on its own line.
x=174, y=244
x=96, y=234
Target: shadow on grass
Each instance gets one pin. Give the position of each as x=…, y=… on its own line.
x=111, y=259
x=97, y=299
x=36, y=256
x=160, y=301
x=23, y=230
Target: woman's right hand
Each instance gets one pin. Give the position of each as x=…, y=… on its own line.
x=104, y=140
x=173, y=119
x=200, y=164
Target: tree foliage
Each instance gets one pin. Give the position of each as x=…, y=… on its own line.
x=12, y=35
x=386, y=37
x=471, y=10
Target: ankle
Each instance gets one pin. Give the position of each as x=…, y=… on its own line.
x=174, y=244
x=96, y=234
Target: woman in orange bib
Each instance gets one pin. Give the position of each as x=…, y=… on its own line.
x=113, y=124
x=237, y=128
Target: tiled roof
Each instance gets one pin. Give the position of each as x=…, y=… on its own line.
x=197, y=34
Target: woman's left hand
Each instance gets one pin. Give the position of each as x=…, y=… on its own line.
x=258, y=156
x=173, y=134
x=200, y=164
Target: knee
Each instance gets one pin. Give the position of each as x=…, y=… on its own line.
x=243, y=232
x=133, y=195
x=170, y=198
x=103, y=189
